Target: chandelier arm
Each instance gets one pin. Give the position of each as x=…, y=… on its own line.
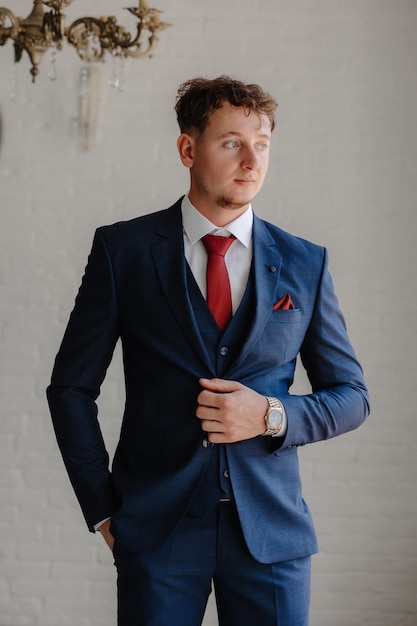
x=8, y=32
x=79, y=35
x=110, y=36
x=127, y=41
x=137, y=52
x=133, y=47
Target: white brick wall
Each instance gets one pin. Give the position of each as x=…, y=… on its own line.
x=343, y=173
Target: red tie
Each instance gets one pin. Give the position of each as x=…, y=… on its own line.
x=219, y=297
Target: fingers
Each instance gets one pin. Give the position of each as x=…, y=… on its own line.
x=213, y=401
x=107, y=536
x=220, y=385
x=229, y=411
x=211, y=396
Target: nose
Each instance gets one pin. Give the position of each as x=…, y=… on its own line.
x=249, y=158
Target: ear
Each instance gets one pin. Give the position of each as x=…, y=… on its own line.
x=185, y=145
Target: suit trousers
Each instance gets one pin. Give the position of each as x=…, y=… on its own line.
x=171, y=585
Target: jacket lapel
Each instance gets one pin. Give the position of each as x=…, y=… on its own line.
x=170, y=264
x=267, y=268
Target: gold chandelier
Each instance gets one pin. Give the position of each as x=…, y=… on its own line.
x=91, y=37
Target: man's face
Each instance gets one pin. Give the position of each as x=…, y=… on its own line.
x=227, y=162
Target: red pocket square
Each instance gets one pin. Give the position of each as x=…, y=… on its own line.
x=283, y=303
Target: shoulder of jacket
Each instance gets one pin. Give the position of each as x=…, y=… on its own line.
x=288, y=241
x=125, y=229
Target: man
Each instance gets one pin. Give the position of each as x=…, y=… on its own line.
x=205, y=483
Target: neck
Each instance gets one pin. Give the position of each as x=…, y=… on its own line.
x=219, y=216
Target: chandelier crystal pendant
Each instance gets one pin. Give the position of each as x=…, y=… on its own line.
x=91, y=37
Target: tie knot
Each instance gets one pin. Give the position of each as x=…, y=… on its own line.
x=215, y=244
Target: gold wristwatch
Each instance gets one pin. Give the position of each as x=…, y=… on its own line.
x=274, y=418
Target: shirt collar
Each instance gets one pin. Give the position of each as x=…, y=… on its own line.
x=195, y=225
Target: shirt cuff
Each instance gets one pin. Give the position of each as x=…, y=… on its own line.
x=97, y=526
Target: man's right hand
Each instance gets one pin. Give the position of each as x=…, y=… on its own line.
x=104, y=529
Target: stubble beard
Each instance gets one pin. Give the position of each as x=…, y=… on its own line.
x=226, y=203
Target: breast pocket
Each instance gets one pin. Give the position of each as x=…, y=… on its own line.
x=289, y=316
x=282, y=337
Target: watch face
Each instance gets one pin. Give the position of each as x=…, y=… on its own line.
x=274, y=418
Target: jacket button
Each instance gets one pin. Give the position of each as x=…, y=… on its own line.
x=226, y=473
x=272, y=268
x=207, y=443
x=224, y=350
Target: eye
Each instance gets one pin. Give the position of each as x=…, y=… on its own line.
x=262, y=146
x=231, y=144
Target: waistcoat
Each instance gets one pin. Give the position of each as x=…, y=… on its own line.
x=222, y=346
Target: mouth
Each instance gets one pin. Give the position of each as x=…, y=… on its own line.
x=245, y=181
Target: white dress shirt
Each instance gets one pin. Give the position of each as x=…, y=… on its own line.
x=238, y=258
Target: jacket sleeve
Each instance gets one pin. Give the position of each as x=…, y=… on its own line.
x=79, y=370
x=339, y=400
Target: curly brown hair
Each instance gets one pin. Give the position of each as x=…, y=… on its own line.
x=199, y=97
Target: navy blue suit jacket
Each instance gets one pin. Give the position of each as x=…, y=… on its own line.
x=135, y=289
